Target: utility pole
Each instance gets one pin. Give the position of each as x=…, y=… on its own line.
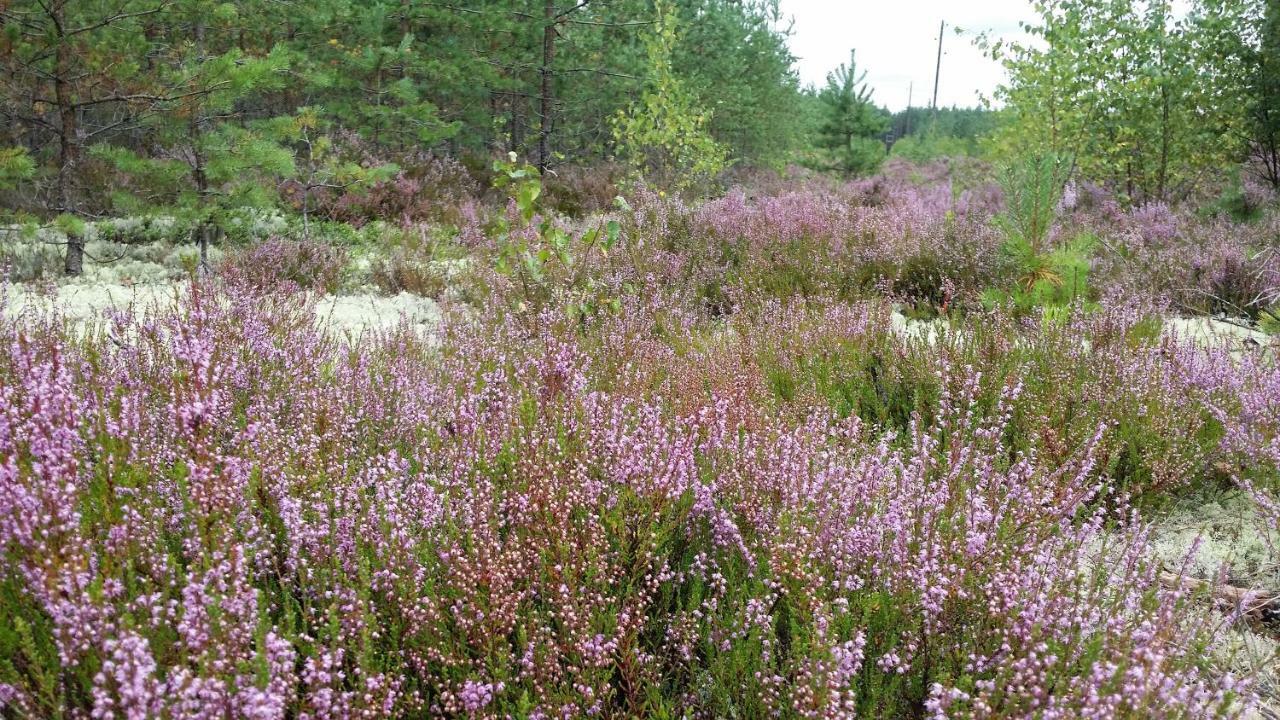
x=938, y=70
x=911, y=86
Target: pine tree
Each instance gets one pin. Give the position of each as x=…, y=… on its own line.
x=71, y=74
x=212, y=157
x=373, y=73
x=733, y=56
x=851, y=121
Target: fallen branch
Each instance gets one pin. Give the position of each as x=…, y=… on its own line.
x=1251, y=602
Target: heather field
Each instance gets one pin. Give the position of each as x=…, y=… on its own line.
x=632, y=359
x=911, y=446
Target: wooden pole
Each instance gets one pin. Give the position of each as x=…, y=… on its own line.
x=910, y=87
x=937, y=70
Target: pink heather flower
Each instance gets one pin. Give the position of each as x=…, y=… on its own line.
x=475, y=696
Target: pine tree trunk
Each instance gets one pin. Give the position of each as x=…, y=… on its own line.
x=548, y=56
x=74, y=263
x=197, y=128
x=207, y=232
x=204, y=246
x=68, y=142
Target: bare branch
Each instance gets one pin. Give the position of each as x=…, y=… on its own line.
x=572, y=10
x=597, y=23
x=116, y=18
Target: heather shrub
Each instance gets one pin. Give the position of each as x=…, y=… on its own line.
x=924, y=246
x=1242, y=395
x=300, y=263
x=578, y=191
x=874, y=381
x=1243, y=199
x=426, y=188
x=413, y=264
x=566, y=520
x=1238, y=280
x=1195, y=266
x=921, y=283
x=1163, y=442
x=404, y=271
x=670, y=460
x=1154, y=223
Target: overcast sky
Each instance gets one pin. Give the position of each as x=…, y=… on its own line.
x=897, y=41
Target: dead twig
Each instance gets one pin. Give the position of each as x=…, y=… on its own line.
x=1253, y=603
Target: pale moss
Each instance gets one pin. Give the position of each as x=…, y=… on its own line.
x=930, y=331
x=85, y=302
x=1244, y=653
x=356, y=314
x=1211, y=333
x=1231, y=534
x=249, y=224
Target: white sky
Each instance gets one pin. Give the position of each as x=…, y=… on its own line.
x=897, y=44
